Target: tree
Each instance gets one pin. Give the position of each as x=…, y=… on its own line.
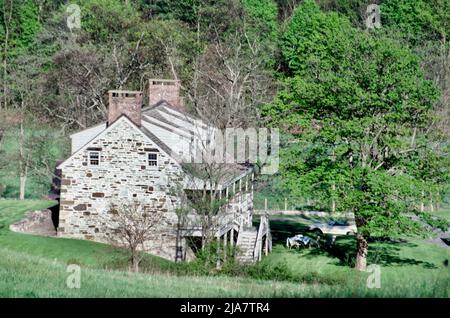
x=8, y=119
x=230, y=82
x=84, y=65
x=352, y=102
x=105, y=21
x=19, y=26
x=131, y=225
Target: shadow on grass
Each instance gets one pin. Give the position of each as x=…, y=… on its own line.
x=382, y=252
x=283, y=227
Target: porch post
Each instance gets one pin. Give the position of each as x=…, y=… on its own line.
x=253, y=178
x=226, y=199
x=266, y=245
x=225, y=239
x=240, y=193
x=218, y=252
x=232, y=238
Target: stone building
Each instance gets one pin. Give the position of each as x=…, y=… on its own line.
x=138, y=155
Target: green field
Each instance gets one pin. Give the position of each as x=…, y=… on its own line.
x=32, y=266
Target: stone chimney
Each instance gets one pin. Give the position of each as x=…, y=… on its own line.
x=128, y=103
x=168, y=90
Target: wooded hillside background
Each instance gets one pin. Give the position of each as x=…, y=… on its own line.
x=291, y=64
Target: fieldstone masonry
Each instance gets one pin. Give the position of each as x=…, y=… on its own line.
x=123, y=174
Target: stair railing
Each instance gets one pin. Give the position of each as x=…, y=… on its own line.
x=263, y=230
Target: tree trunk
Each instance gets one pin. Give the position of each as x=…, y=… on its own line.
x=431, y=202
x=422, y=205
x=23, y=164
x=361, y=252
x=7, y=24
x=134, y=266
x=333, y=187
x=23, y=183
x=333, y=201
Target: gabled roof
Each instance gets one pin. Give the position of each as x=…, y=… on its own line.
x=162, y=147
x=166, y=117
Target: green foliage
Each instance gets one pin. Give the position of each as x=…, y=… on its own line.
x=436, y=221
x=417, y=20
x=24, y=25
x=311, y=37
x=184, y=10
x=350, y=102
x=210, y=18
x=162, y=39
x=262, y=18
x=105, y=20
x=45, y=146
x=354, y=10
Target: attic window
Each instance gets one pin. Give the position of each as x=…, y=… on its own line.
x=153, y=159
x=94, y=158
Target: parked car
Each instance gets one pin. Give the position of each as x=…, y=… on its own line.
x=333, y=227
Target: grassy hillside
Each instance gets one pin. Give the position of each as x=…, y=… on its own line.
x=30, y=276
x=32, y=266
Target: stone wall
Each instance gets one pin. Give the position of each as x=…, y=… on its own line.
x=123, y=174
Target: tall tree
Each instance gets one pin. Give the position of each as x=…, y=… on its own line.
x=352, y=102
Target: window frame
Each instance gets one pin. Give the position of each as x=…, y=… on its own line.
x=153, y=160
x=90, y=152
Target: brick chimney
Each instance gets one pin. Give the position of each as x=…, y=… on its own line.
x=127, y=103
x=168, y=90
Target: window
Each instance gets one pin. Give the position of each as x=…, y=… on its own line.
x=94, y=158
x=152, y=159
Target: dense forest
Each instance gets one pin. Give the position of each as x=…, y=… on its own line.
x=364, y=112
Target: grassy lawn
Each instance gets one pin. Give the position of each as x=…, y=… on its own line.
x=443, y=213
x=32, y=266
x=409, y=267
x=66, y=250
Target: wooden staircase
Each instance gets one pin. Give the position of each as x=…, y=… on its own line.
x=246, y=243
x=250, y=242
